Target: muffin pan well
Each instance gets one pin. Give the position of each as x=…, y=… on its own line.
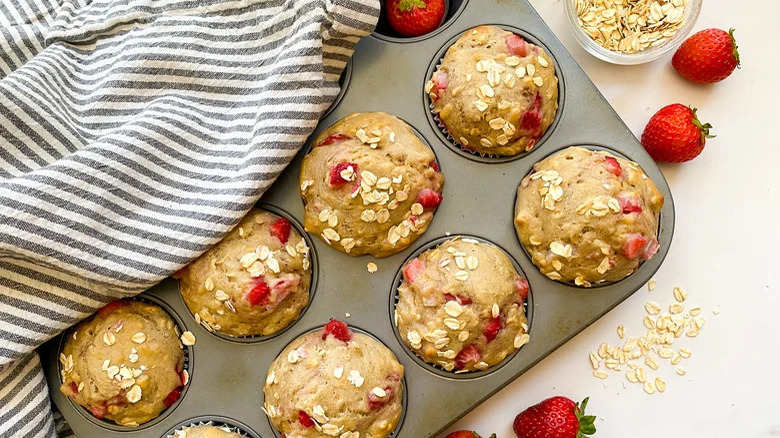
x=220, y=422
x=108, y=424
x=452, y=9
x=445, y=136
x=314, y=267
x=593, y=147
x=389, y=75
x=439, y=371
x=356, y=329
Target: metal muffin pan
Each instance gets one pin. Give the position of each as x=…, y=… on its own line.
x=388, y=74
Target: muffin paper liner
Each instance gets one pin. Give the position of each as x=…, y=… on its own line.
x=216, y=423
x=186, y=366
x=452, y=139
x=441, y=126
x=248, y=339
x=395, y=297
x=404, y=385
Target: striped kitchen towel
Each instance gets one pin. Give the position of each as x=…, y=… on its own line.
x=133, y=135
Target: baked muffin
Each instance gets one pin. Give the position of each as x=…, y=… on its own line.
x=333, y=382
x=206, y=432
x=460, y=305
x=369, y=185
x=254, y=282
x=494, y=92
x=125, y=364
x=587, y=216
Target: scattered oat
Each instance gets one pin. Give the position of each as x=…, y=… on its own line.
x=680, y=294
x=654, y=348
x=651, y=285
x=372, y=267
x=521, y=340
x=188, y=339
x=652, y=308
x=139, y=338
x=594, y=360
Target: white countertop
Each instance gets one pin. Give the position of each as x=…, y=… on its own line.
x=726, y=244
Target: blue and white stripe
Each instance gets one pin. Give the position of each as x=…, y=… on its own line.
x=133, y=135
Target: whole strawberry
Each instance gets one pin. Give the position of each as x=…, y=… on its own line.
x=466, y=434
x=674, y=134
x=708, y=56
x=556, y=417
x=415, y=17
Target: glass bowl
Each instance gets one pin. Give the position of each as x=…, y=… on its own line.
x=692, y=10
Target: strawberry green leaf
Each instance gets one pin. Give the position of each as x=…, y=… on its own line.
x=408, y=5
x=581, y=406
x=585, y=421
x=704, y=128
x=734, y=43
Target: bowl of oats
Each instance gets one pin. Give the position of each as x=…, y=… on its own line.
x=631, y=31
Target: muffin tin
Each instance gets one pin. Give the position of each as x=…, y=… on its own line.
x=388, y=74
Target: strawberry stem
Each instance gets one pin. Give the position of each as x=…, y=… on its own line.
x=704, y=128
x=586, y=421
x=734, y=43
x=408, y=5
